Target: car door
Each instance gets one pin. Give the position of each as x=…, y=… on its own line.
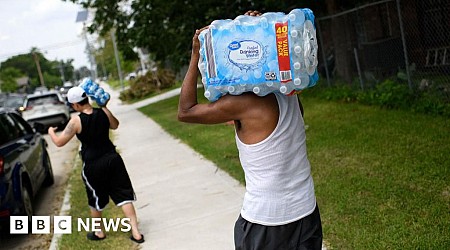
x=23, y=146
x=11, y=150
x=35, y=156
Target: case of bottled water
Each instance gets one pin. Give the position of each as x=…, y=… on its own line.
x=95, y=92
x=274, y=52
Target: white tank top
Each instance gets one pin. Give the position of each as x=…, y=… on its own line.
x=279, y=186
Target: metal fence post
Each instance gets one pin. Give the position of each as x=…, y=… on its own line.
x=323, y=54
x=405, y=52
x=355, y=51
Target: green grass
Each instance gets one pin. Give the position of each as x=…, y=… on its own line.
x=382, y=177
x=80, y=209
x=115, y=84
x=157, y=92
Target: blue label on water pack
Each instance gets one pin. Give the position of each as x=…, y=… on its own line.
x=249, y=55
x=234, y=45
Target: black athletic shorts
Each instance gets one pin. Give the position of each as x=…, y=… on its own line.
x=305, y=233
x=107, y=177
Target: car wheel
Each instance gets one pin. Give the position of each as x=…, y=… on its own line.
x=26, y=201
x=47, y=164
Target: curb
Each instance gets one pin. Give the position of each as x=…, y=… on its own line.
x=65, y=208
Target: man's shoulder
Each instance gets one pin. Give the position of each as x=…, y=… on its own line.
x=249, y=102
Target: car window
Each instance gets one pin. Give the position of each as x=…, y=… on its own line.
x=9, y=127
x=4, y=135
x=41, y=100
x=14, y=101
x=22, y=124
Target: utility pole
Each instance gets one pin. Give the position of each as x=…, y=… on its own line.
x=38, y=66
x=91, y=54
x=82, y=16
x=102, y=44
x=61, y=71
x=116, y=54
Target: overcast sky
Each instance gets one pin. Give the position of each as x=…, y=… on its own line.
x=48, y=25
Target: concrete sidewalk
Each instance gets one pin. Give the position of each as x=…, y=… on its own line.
x=183, y=200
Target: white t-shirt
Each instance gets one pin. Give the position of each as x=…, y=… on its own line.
x=279, y=186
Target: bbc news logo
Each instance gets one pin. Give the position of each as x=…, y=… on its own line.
x=63, y=224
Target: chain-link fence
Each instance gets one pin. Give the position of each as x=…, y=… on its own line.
x=373, y=42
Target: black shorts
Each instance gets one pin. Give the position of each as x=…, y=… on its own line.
x=305, y=233
x=107, y=177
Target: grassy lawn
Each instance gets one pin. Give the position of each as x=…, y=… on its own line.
x=115, y=84
x=382, y=177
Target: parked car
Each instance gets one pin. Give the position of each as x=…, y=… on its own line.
x=25, y=165
x=65, y=88
x=130, y=76
x=47, y=108
x=40, y=89
x=63, y=91
x=2, y=99
x=14, y=101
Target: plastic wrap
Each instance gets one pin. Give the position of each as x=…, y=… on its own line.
x=274, y=52
x=95, y=92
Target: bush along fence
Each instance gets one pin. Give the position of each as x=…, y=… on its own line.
x=393, y=52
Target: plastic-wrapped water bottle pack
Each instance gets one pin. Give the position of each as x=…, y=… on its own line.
x=95, y=92
x=274, y=52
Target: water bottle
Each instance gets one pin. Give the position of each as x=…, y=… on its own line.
x=244, y=56
x=86, y=84
x=94, y=91
x=212, y=93
x=103, y=99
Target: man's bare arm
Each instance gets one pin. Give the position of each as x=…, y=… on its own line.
x=70, y=130
x=113, y=122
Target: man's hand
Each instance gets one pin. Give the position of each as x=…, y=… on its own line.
x=51, y=130
x=253, y=13
x=195, y=41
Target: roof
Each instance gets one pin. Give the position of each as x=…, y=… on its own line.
x=42, y=93
x=7, y=110
x=22, y=81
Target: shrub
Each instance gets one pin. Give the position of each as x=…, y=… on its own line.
x=338, y=92
x=433, y=100
x=390, y=94
x=148, y=84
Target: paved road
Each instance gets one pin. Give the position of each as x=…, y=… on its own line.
x=184, y=201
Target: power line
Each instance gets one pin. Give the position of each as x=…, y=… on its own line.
x=45, y=48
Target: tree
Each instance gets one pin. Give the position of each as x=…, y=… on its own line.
x=106, y=60
x=8, y=77
x=82, y=73
x=51, y=70
x=165, y=28
x=66, y=69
